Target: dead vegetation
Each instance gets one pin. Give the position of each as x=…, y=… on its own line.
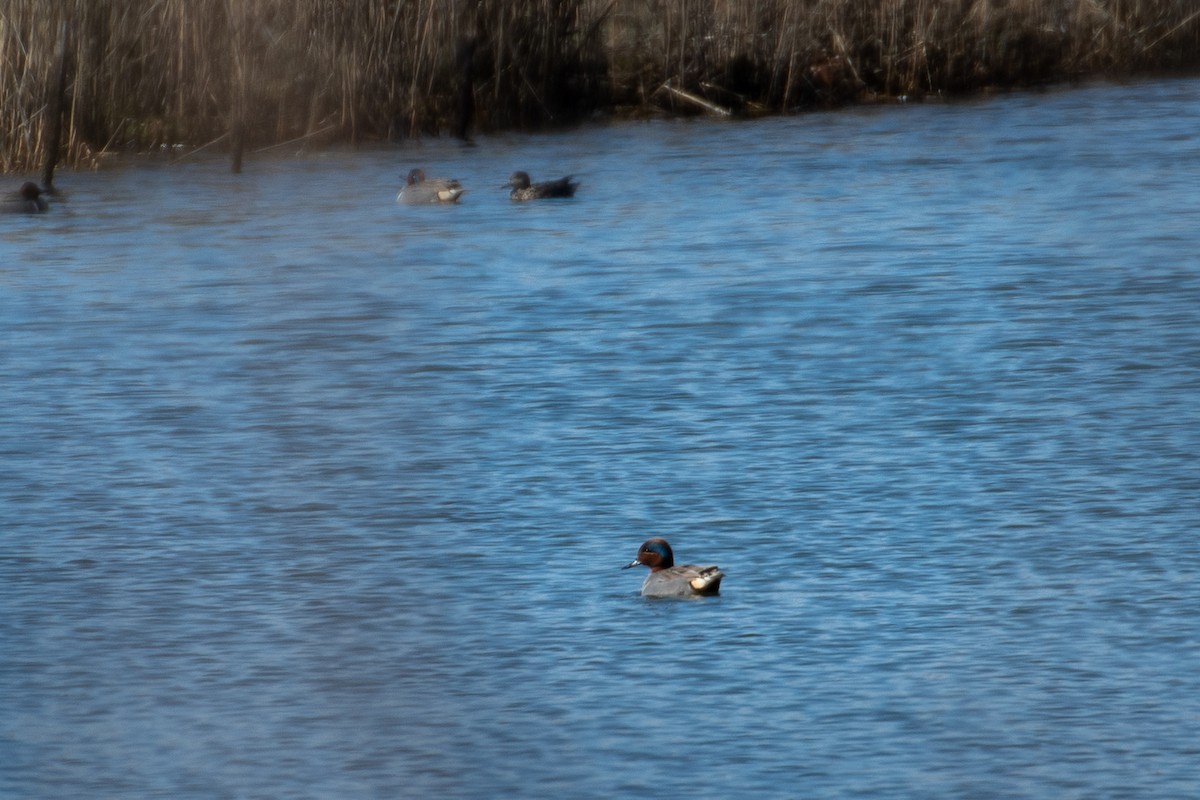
x=151, y=74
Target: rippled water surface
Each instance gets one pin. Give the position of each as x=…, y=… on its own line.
x=305, y=494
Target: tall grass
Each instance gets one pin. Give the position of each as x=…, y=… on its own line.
x=147, y=74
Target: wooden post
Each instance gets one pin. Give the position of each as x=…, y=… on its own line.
x=469, y=25
x=466, y=86
x=237, y=139
x=55, y=101
x=237, y=17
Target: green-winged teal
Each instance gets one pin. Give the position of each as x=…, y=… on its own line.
x=667, y=580
x=419, y=190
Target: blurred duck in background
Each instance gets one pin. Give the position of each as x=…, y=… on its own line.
x=523, y=189
x=29, y=199
x=419, y=190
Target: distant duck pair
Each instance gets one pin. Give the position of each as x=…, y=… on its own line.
x=28, y=199
x=419, y=190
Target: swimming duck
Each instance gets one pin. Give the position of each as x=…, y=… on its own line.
x=522, y=189
x=667, y=580
x=418, y=190
x=26, y=200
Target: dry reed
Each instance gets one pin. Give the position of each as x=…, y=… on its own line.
x=152, y=74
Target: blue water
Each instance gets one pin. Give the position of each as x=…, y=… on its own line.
x=305, y=494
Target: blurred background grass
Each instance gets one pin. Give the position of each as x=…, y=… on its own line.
x=151, y=74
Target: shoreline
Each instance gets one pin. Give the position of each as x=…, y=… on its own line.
x=182, y=153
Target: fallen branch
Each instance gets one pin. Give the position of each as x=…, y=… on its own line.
x=191, y=153
x=712, y=108
x=326, y=129
x=1170, y=32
